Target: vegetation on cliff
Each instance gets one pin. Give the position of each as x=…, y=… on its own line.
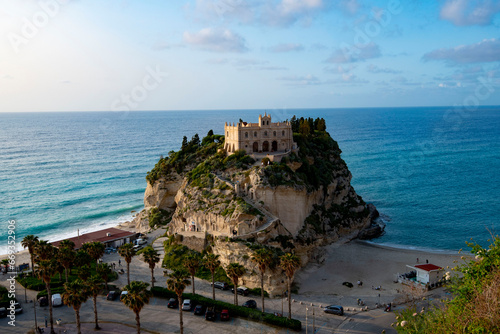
x=475, y=307
x=319, y=156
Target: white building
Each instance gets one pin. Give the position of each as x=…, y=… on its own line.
x=428, y=273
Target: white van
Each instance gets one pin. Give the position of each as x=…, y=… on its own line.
x=56, y=300
x=140, y=242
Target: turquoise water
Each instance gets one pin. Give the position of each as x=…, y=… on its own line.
x=432, y=174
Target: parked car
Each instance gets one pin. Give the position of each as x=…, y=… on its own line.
x=3, y=312
x=334, y=309
x=140, y=242
x=221, y=285
x=138, y=247
x=186, y=305
x=43, y=301
x=123, y=294
x=241, y=290
x=17, y=308
x=109, y=250
x=210, y=314
x=112, y=295
x=199, y=310
x=56, y=300
x=172, y=303
x=224, y=315
x=250, y=304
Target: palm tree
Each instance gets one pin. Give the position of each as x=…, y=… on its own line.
x=151, y=257
x=263, y=258
x=235, y=271
x=137, y=296
x=83, y=272
x=289, y=263
x=104, y=271
x=127, y=251
x=30, y=242
x=66, y=257
x=82, y=258
x=45, y=271
x=95, y=249
x=44, y=250
x=66, y=243
x=74, y=295
x=177, y=282
x=59, y=266
x=192, y=263
x=94, y=286
x=212, y=262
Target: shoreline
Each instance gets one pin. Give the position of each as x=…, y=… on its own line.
x=408, y=248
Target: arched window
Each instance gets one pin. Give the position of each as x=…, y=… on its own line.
x=274, y=133
x=227, y=134
x=283, y=133
x=265, y=133
x=255, y=134
x=246, y=134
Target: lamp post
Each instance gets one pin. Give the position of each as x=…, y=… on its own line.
x=314, y=325
x=34, y=309
x=282, y=303
x=306, y=319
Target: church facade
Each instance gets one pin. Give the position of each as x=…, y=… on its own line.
x=264, y=136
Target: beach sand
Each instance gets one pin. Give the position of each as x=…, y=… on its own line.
x=372, y=264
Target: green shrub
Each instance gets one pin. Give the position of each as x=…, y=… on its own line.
x=4, y=297
x=53, y=291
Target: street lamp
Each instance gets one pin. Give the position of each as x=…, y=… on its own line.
x=314, y=325
x=306, y=319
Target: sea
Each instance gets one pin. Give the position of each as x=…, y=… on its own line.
x=432, y=172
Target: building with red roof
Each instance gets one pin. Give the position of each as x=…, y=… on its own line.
x=110, y=237
x=428, y=273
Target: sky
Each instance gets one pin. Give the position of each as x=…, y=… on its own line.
x=73, y=55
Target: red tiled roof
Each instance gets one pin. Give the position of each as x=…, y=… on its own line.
x=427, y=267
x=98, y=236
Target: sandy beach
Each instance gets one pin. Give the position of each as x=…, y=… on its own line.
x=372, y=264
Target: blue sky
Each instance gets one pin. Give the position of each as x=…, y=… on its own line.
x=65, y=55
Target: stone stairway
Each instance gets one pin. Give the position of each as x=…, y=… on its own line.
x=268, y=216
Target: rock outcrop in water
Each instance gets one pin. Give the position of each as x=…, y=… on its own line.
x=242, y=202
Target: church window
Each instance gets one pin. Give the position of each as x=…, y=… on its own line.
x=283, y=133
x=246, y=134
x=274, y=133
x=255, y=134
x=265, y=133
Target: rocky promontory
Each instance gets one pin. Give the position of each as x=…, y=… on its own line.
x=237, y=202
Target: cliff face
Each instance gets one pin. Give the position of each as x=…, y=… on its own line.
x=301, y=203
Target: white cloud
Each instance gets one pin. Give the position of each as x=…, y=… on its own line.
x=290, y=47
x=305, y=80
x=469, y=12
x=216, y=40
x=350, y=7
x=488, y=50
x=288, y=12
x=340, y=69
x=355, y=53
x=375, y=69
